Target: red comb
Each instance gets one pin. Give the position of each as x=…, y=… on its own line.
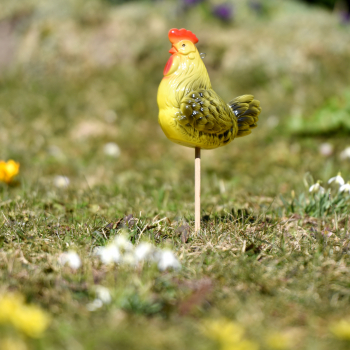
x=176, y=35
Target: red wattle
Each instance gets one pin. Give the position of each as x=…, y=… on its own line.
x=168, y=65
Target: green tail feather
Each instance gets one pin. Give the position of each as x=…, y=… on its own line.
x=247, y=111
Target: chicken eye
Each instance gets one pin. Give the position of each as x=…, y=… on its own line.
x=183, y=45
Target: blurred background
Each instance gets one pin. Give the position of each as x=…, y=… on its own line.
x=78, y=86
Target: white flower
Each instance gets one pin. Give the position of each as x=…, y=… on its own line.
x=61, y=181
x=110, y=116
x=96, y=304
x=102, y=297
x=55, y=152
x=129, y=259
x=108, y=254
x=337, y=179
x=112, y=149
x=144, y=252
x=316, y=188
x=326, y=149
x=123, y=243
x=103, y=294
x=345, y=187
x=167, y=260
x=71, y=258
x=345, y=154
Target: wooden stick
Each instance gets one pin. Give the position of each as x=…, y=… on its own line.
x=197, y=190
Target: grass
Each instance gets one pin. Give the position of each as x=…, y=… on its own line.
x=265, y=272
x=271, y=260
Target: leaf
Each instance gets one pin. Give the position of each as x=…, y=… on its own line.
x=202, y=288
x=184, y=232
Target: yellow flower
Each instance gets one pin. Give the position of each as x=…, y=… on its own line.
x=31, y=320
x=341, y=329
x=9, y=306
x=223, y=330
x=228, y=335
x=278, y=341
x=28, y=319
x=8, y=170
x=12, y=344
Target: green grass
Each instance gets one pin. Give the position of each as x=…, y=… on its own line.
x=265, y=258
x=331, y=119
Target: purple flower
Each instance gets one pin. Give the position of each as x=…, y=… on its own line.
x=256, y=6
x=345, y=17
x=191, y=2
x=223, y=11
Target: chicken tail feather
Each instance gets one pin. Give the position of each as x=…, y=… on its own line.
x=247, y=111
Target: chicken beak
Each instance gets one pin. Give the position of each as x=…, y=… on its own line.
x=173, y=50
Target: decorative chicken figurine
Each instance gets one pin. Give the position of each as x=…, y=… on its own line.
x=191, y=113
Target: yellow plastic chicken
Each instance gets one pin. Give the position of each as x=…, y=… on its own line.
x=191, y=113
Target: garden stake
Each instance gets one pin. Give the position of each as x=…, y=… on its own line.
x=197, y=189
x=190, y=111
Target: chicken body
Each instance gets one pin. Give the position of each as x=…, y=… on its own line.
x=191, y=113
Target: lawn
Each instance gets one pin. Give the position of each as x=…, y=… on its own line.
x=97, y=242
